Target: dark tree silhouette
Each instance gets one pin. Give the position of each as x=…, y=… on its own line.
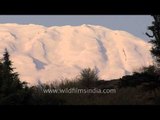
x=155, y=29
x=1, y=73
x=12, y=90
x=88, y=77
x=11, y=80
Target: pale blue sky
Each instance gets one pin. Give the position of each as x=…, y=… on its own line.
x=135, y=24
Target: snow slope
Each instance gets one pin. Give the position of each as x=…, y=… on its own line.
x=51, y=53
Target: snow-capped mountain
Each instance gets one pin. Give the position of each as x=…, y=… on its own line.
x=52, y=53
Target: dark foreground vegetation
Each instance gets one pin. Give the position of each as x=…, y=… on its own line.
x=141, y=88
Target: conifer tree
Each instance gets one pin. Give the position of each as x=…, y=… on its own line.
x=1, y=70
x=155, y=29
x=12, y=90
x=11, y=81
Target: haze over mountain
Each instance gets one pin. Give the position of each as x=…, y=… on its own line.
x=52, y=53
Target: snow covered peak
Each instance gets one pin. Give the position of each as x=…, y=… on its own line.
x=51, y=53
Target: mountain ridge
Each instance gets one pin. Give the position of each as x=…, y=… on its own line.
x=57, y=52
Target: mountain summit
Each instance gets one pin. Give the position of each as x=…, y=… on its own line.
x=52, y=53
